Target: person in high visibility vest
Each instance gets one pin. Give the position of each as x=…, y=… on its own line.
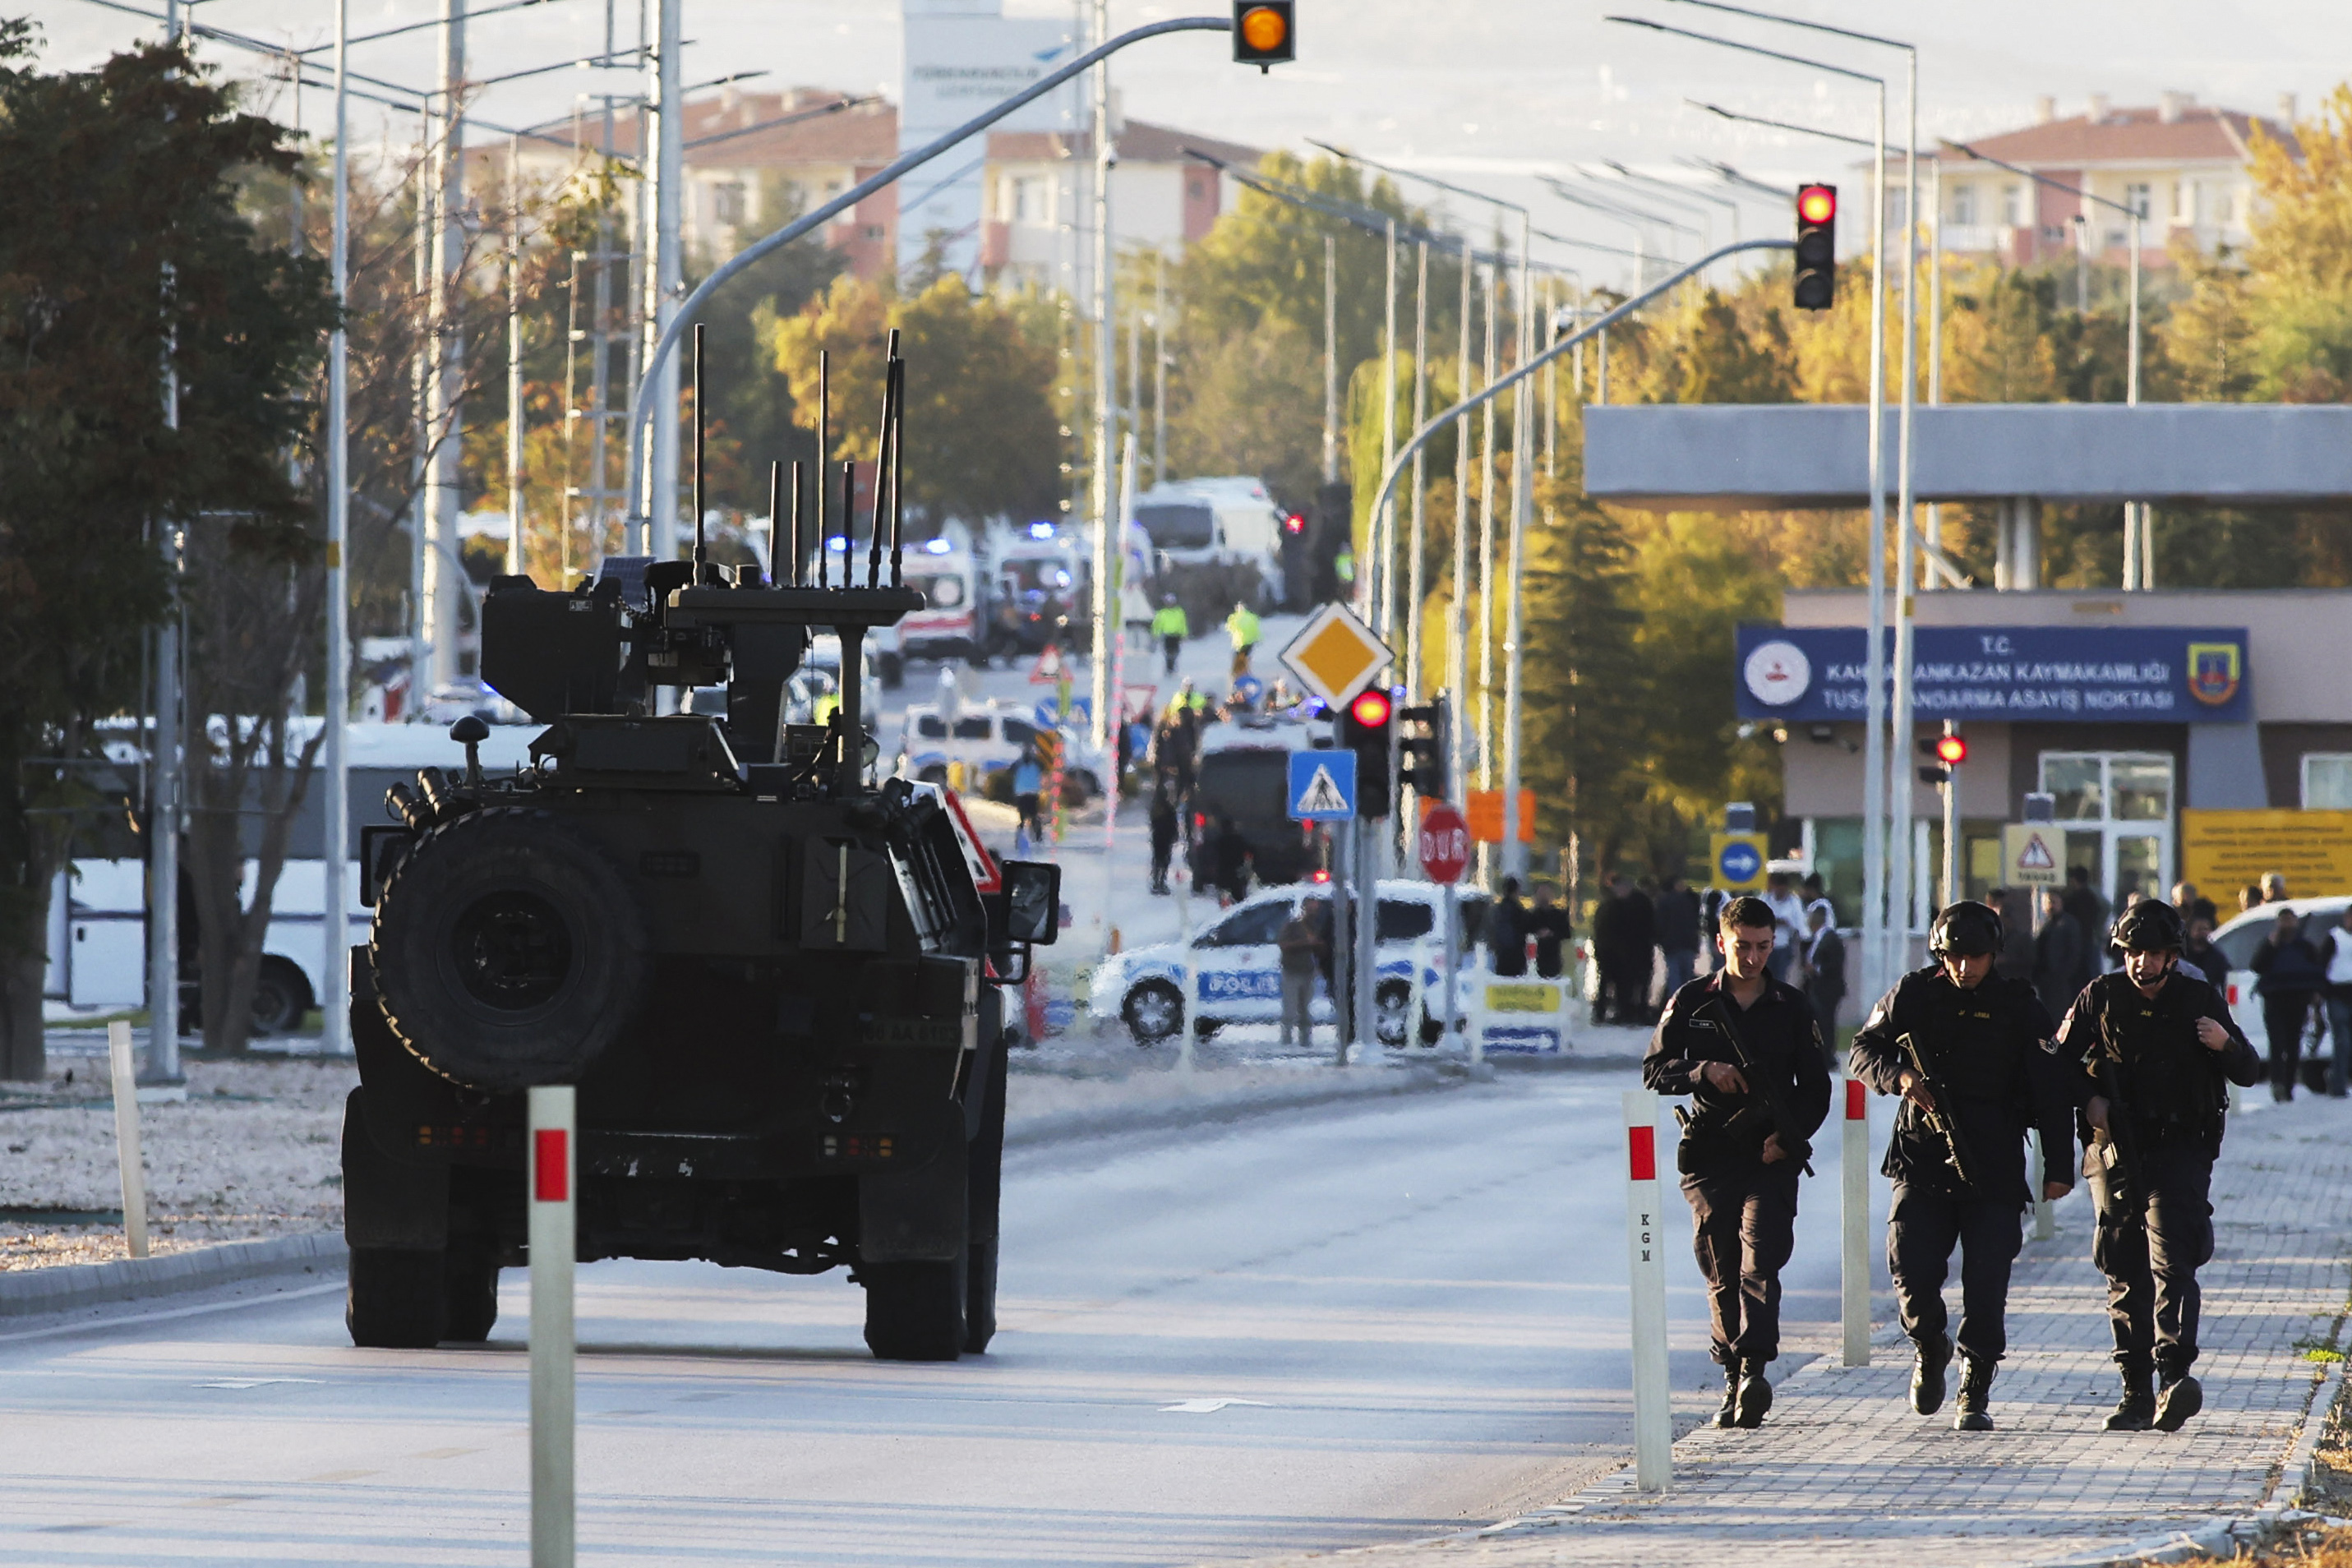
x=1242, y=626
x=1170, y=626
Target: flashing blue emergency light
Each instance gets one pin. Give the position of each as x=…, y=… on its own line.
x=1041, y=531
x=937, y=546
x=837, y=542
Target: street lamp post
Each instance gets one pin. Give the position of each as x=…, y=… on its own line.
x=1877, y=906
x=335, y=1005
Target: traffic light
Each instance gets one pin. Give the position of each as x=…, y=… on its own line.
x=1421, y=757
x=1816, y=246
x=1363, y=727
x=1264, y=33
x=1950, y=752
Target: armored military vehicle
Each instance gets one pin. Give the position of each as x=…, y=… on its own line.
x=775, y=984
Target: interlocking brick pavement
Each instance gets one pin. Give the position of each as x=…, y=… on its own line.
x=1842, y=1472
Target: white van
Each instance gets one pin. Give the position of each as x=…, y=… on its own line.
x=1216, y=522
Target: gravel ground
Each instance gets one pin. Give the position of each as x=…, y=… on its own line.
x=253, y=1153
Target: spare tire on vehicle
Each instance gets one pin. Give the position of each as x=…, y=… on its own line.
x=509, y=950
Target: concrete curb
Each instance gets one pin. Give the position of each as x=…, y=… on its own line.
x=33, y=1291
x=1226, y=1108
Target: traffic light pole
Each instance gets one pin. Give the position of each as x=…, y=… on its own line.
x=1953, y=886
x=665, y=347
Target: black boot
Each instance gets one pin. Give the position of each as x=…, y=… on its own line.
x=2135, y=1411
x=1730, y=1414
x=1927, y=1375
x=2182, y=1397
x=1976, y=1396
x=1754, y=1394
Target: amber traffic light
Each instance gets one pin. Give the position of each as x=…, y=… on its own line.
x=1264, y=33
x=1816, y=286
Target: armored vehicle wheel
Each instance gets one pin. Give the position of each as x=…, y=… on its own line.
x=914, y=1312
x=470, y=1287
x=1154, y=1012
x=394, y=1299
x=280, y=996
x=980, y=1296
x=509, y=950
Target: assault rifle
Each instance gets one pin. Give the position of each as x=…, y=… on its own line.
x=1943, y=1116
x=1764, y=1093
x=2121, y=1136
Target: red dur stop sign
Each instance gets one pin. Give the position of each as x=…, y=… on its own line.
x=1444, y=842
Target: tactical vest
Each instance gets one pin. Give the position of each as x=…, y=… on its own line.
x=2174, y=1085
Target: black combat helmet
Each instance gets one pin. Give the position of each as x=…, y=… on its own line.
x=2150, y=925
x=1966, y=929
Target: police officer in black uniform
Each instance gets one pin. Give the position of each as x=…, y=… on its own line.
x=1983, y=1040
x=2159, y=1050
x=1747, y=1049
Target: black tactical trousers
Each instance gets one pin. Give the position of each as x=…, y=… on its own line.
x=1921, y=1230
x=1744, y=1224
x=2149, y=1245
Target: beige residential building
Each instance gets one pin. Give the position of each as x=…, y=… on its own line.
x=2180, y=164
x=745, y=171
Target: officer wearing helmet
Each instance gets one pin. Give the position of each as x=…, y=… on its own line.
x=2157, y=1050
x=1967, y=1050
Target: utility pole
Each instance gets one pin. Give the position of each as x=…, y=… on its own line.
x=1106, y=384
x=1457, y=630
x=514, y=354
x=444, y=378
x=1159, y=369
x=664, y=279
x=1383, y=528
x=1416, y=592
x=1486, y=573
x=335, y=1005
x=1331, y=360
x=164, y=807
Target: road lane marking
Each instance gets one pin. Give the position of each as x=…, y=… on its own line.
x=327, y=1477
x=1209, y=1406
x=245, y=1383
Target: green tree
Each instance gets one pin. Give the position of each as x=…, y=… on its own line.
x=140, y=253
x=982, y=440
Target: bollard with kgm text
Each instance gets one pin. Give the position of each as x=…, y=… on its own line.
x=554, y=1252
x=1645, y=1260
x=126, y=1137
x=1853, y=1258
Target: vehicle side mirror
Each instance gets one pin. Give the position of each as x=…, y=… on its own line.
x=1032, y=895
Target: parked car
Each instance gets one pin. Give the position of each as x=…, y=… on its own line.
x=1230, y=972
x=987, y=736
x=2237, y=938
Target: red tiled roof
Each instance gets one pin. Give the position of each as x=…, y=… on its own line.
x=2131, y=136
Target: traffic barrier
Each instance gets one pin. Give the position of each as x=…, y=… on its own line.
x=1645, y=1261
x=1516, y=1015
x=1853, y=1255
x=554, y=1253
x=126, y=1137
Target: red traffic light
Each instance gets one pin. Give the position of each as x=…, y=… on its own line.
x=1951, y=749
x=1817, y=203
x=1370, y=709
x=1294, y=523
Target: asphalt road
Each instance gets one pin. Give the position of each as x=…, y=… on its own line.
x=1417, y=1308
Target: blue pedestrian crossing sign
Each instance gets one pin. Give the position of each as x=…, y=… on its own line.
x=1322, y=785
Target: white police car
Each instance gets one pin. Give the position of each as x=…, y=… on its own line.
x=2239, y=937
x=1232, y=970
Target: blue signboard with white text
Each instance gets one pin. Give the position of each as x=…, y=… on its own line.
x=2152, y=675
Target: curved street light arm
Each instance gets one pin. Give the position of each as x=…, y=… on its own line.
x=641, y=400
x=1422, y=436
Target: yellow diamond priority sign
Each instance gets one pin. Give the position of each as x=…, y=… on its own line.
x=1335, y=655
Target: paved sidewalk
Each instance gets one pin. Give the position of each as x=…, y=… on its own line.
x=1844, y=1473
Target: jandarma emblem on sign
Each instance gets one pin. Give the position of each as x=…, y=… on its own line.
x=2212, y=672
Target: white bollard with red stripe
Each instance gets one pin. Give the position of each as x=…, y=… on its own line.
x=554, y=1253
x=1645, y=1260
x=1853, y=1269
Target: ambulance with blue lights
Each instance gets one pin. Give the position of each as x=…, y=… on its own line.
x=949, y=573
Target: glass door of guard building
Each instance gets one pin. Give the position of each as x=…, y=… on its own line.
x=2116, y=810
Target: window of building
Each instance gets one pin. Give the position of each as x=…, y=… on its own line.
x=2225, y=206
x=726, y=204
x=2116, y=810
x=2012, y=204
x=1964, y=205
x=2141, y=199
x=2326, y=780
x=1895, y=208
x=873, y=231
x=1032, y=201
